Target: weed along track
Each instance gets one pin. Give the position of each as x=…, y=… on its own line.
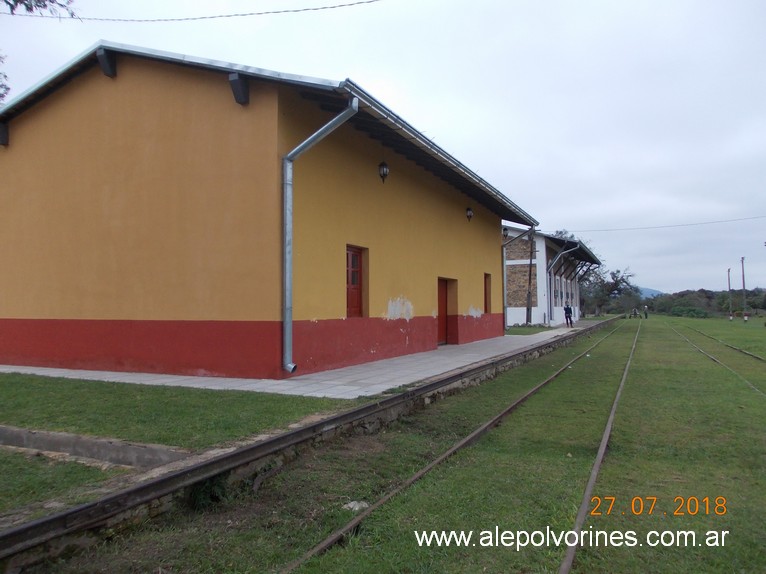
x=743, y=351
x=724, y=354
x=586, y=504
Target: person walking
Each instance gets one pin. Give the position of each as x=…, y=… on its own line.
x=568, y=314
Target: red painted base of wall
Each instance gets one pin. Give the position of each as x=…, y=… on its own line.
x=210, y=348
x=250, y=349
x=463, y=329
x=332, y=344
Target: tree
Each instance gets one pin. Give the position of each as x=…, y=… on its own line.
x=603, y=290
x=564, y=234
x=704, y=303
x=30, y=7
x=4, y=89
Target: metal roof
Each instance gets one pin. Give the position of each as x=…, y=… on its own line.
x=373, y=118
x=580, y=252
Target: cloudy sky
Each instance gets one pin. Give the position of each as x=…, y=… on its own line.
x=638, y=126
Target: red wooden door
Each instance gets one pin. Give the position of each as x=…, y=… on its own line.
x=442, y=313
x=353, y=282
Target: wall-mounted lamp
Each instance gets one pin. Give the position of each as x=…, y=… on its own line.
x=506, y=232
x=383, y=171
x=469, y=213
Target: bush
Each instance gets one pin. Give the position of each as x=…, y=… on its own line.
x=693, y=312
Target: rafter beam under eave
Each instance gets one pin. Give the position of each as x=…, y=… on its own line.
x=4, y=134
x=240, y=87
x=107, y=59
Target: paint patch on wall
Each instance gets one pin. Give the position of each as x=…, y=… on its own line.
x=474, y=312
x=400, y=308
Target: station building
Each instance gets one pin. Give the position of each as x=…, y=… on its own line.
x=164, y=213
x=542, y=274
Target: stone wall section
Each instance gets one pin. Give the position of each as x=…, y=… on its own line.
x=517, y=280
x=519, y=249
x=517, y=275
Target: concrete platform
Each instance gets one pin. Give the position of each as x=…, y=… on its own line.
x=346, y=383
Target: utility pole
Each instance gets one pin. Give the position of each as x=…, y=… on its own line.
x=744, y=299
x=731, y=316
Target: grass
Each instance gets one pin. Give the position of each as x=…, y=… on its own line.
x=685, y=427
x=187, y=418
x=526, y=330
x=182, y=417
x=28, y=479
x=526, y=474
x=750, y=336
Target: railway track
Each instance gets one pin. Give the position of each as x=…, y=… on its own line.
x=721, y=345
x=352, y=526
x=567, y=564
x=53, y=535
x=725, y=344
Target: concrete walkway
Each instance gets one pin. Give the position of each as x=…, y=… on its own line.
x=346, y=383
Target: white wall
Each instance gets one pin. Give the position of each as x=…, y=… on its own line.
x=541, y=312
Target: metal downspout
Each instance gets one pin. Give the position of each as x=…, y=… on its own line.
x=287, y=221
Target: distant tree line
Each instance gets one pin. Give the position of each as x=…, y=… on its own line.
x=603, y=292
x=705, y=303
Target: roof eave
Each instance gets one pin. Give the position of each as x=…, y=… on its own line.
x=497, y=202
x=88, y=58
x=471, y=183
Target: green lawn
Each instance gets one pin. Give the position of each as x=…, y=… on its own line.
x=526, y=330
x=28, y=479
x=173, y=416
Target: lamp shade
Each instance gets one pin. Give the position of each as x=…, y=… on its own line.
x=383, y=171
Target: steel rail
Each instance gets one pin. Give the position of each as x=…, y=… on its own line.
x=106, y=510
x=720, y=362
x=341, y=533
x=748, y=353
x=582, y=513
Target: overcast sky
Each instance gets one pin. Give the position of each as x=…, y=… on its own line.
x=632, y=124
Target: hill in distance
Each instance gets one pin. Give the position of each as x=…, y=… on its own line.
x=647, y=293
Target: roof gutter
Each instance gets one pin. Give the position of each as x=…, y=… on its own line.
x=287, y=192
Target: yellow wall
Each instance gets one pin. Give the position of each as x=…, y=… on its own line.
x=414, y=227
x=152, y=195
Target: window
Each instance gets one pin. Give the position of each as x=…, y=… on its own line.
x=354, y=281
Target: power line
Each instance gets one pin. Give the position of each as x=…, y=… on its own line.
x=667, y=226
x=194, y=18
